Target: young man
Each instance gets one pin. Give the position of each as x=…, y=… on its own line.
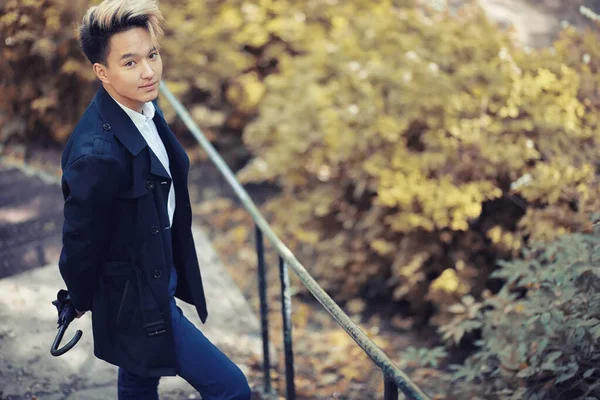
x=128, y=249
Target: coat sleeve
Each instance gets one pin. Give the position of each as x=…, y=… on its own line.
x=89, y=187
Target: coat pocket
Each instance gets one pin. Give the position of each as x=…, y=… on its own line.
x=122, y=304
x=120, y=293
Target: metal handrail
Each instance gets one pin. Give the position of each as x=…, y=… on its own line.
x=392, y=374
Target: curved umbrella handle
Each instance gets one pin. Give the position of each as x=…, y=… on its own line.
x=55, y=351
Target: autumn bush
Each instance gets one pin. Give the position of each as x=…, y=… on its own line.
x=415, y=149
x=45, y=81
x=219, y=53
x=212, y=53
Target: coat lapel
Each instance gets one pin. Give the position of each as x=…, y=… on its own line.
x=156, y=167
x=178, y=159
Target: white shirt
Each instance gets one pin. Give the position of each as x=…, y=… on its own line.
x=147, y=128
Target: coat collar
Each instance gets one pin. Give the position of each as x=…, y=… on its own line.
x=139, y=119
x=119, y=122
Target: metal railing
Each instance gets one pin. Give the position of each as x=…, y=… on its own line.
x=394, y=378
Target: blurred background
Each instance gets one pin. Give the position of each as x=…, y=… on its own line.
x=434, y=164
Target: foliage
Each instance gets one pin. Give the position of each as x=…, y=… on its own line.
x=540, y=335
x=219, y=52
x=422, y=357
x=416, y=149
x=216, y=55
x=45, y=81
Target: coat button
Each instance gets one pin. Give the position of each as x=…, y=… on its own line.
x=150, y=184
x=157, y=273
x=154, y=230
x=106, y=126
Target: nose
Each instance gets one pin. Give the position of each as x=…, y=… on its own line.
x=147, y=71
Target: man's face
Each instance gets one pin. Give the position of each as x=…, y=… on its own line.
x=133, y=70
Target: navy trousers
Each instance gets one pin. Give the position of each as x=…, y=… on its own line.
x=199, y=362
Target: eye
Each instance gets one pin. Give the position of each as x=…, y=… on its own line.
x=153, y=56
x=130, y=64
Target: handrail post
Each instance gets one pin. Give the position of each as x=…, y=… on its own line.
x=264, y=308
x=390, y=390
x=286, y=312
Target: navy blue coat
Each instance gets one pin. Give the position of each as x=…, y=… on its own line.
x=117, y=243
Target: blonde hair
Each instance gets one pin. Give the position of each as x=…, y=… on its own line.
x=113, y=16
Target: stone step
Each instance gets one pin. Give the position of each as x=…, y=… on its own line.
x=8, y=175
x=37, y=228
x=30, y=220
x=30, y=255
x=23, y=191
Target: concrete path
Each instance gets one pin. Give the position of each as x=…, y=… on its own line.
x=536, y=24
x=533, y=26
x=28, y=327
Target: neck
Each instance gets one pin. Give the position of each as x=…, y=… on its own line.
x=131, y=104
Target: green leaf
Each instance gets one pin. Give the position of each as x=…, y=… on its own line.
x=589, y=372
x=596, y=332
x=543, y=345
x=549, y=362
x=545, y=319
x=557, y=315
x=532, y=320
x=572, y=369
x=553, y=356
x=526, y=372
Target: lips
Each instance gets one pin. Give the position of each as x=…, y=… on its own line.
x=148, y=86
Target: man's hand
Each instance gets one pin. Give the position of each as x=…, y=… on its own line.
x=79, y=313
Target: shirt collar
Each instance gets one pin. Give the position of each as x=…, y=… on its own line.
x=139, y=119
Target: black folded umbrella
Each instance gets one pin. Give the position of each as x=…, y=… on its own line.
x=66, y=314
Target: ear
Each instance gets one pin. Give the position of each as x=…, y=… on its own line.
x=100, y=71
